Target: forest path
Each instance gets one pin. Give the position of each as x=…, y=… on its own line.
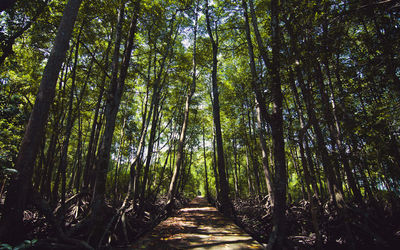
x=198, y=226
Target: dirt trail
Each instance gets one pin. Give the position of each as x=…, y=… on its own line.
x=198, y=226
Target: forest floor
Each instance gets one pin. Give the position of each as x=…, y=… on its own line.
x=370, y=225
x=197, y=226
x=373, y=225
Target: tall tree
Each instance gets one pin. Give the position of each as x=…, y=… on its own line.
x=276, y=239
x=181, y=143
x=223, y=195
x=262, y=115
x=19, y=188
x=115, y=92
x=157, y=87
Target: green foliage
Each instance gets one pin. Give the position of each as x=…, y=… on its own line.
x=357, y=53
x=12, y=121
x=25, y=245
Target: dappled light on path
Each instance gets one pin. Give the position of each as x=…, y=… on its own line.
x=198, y=226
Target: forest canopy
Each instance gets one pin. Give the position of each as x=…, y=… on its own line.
x=122, y=108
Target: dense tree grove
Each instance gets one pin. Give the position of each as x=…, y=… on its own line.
x=107, y=107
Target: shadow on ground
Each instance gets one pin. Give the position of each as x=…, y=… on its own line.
x=198, y=226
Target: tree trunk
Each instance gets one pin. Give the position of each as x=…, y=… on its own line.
x=18, y=190
x=312, y=194
x=215, y=170
x=262, y=114
x=185, y=177
x=333, y=188
x=118, y=162
x=136, y=163
x=235, y=172
x=68, y=130
x=113, y=101
x=205, y=164
x=46, y=179
x=155, y=101
x=87, y=175
x=225, y=203
x=77, y=181
x=181, y=142
x=254, y=160
x=41, y=166
x=337, y=136
x=278, y=234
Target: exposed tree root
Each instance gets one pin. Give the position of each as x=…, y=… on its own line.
x=122, y=226
x=371, y=227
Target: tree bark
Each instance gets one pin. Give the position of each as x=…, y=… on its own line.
x=68, y=130
x=46, y=179
x=278, y=234
x=225, y=203
x=214, y=165
x=262, y=113
x=155, y=102
x=18, y=190
x=87, y=175
x=254, y=160
x=205, y=165
x=235, y=172
x=112, y=106
x=333, y=189
x=181, y=143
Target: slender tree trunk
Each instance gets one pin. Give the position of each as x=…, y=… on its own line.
x=249, y=180
x=262, y=114
x=150, y=146
x=68, y=131
x=95, y=126
x=18, y=190
x=235, y=172
x=278, y=234
x=157, y=189
x=225, y=203
x=112, y=106
x=136, y=163
x=185, y=177
x=41, y=166
x=337, y=137
x=111, y=109
x=254, y=161
x=302, y=138
x=77, y=181
x=46, y=179
x=329, y=120
x=215, y=170
x=181, y=143
x=334, y=191
x=153, y=129
x=119, y=157
x=205, y=164
x=312, y=197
